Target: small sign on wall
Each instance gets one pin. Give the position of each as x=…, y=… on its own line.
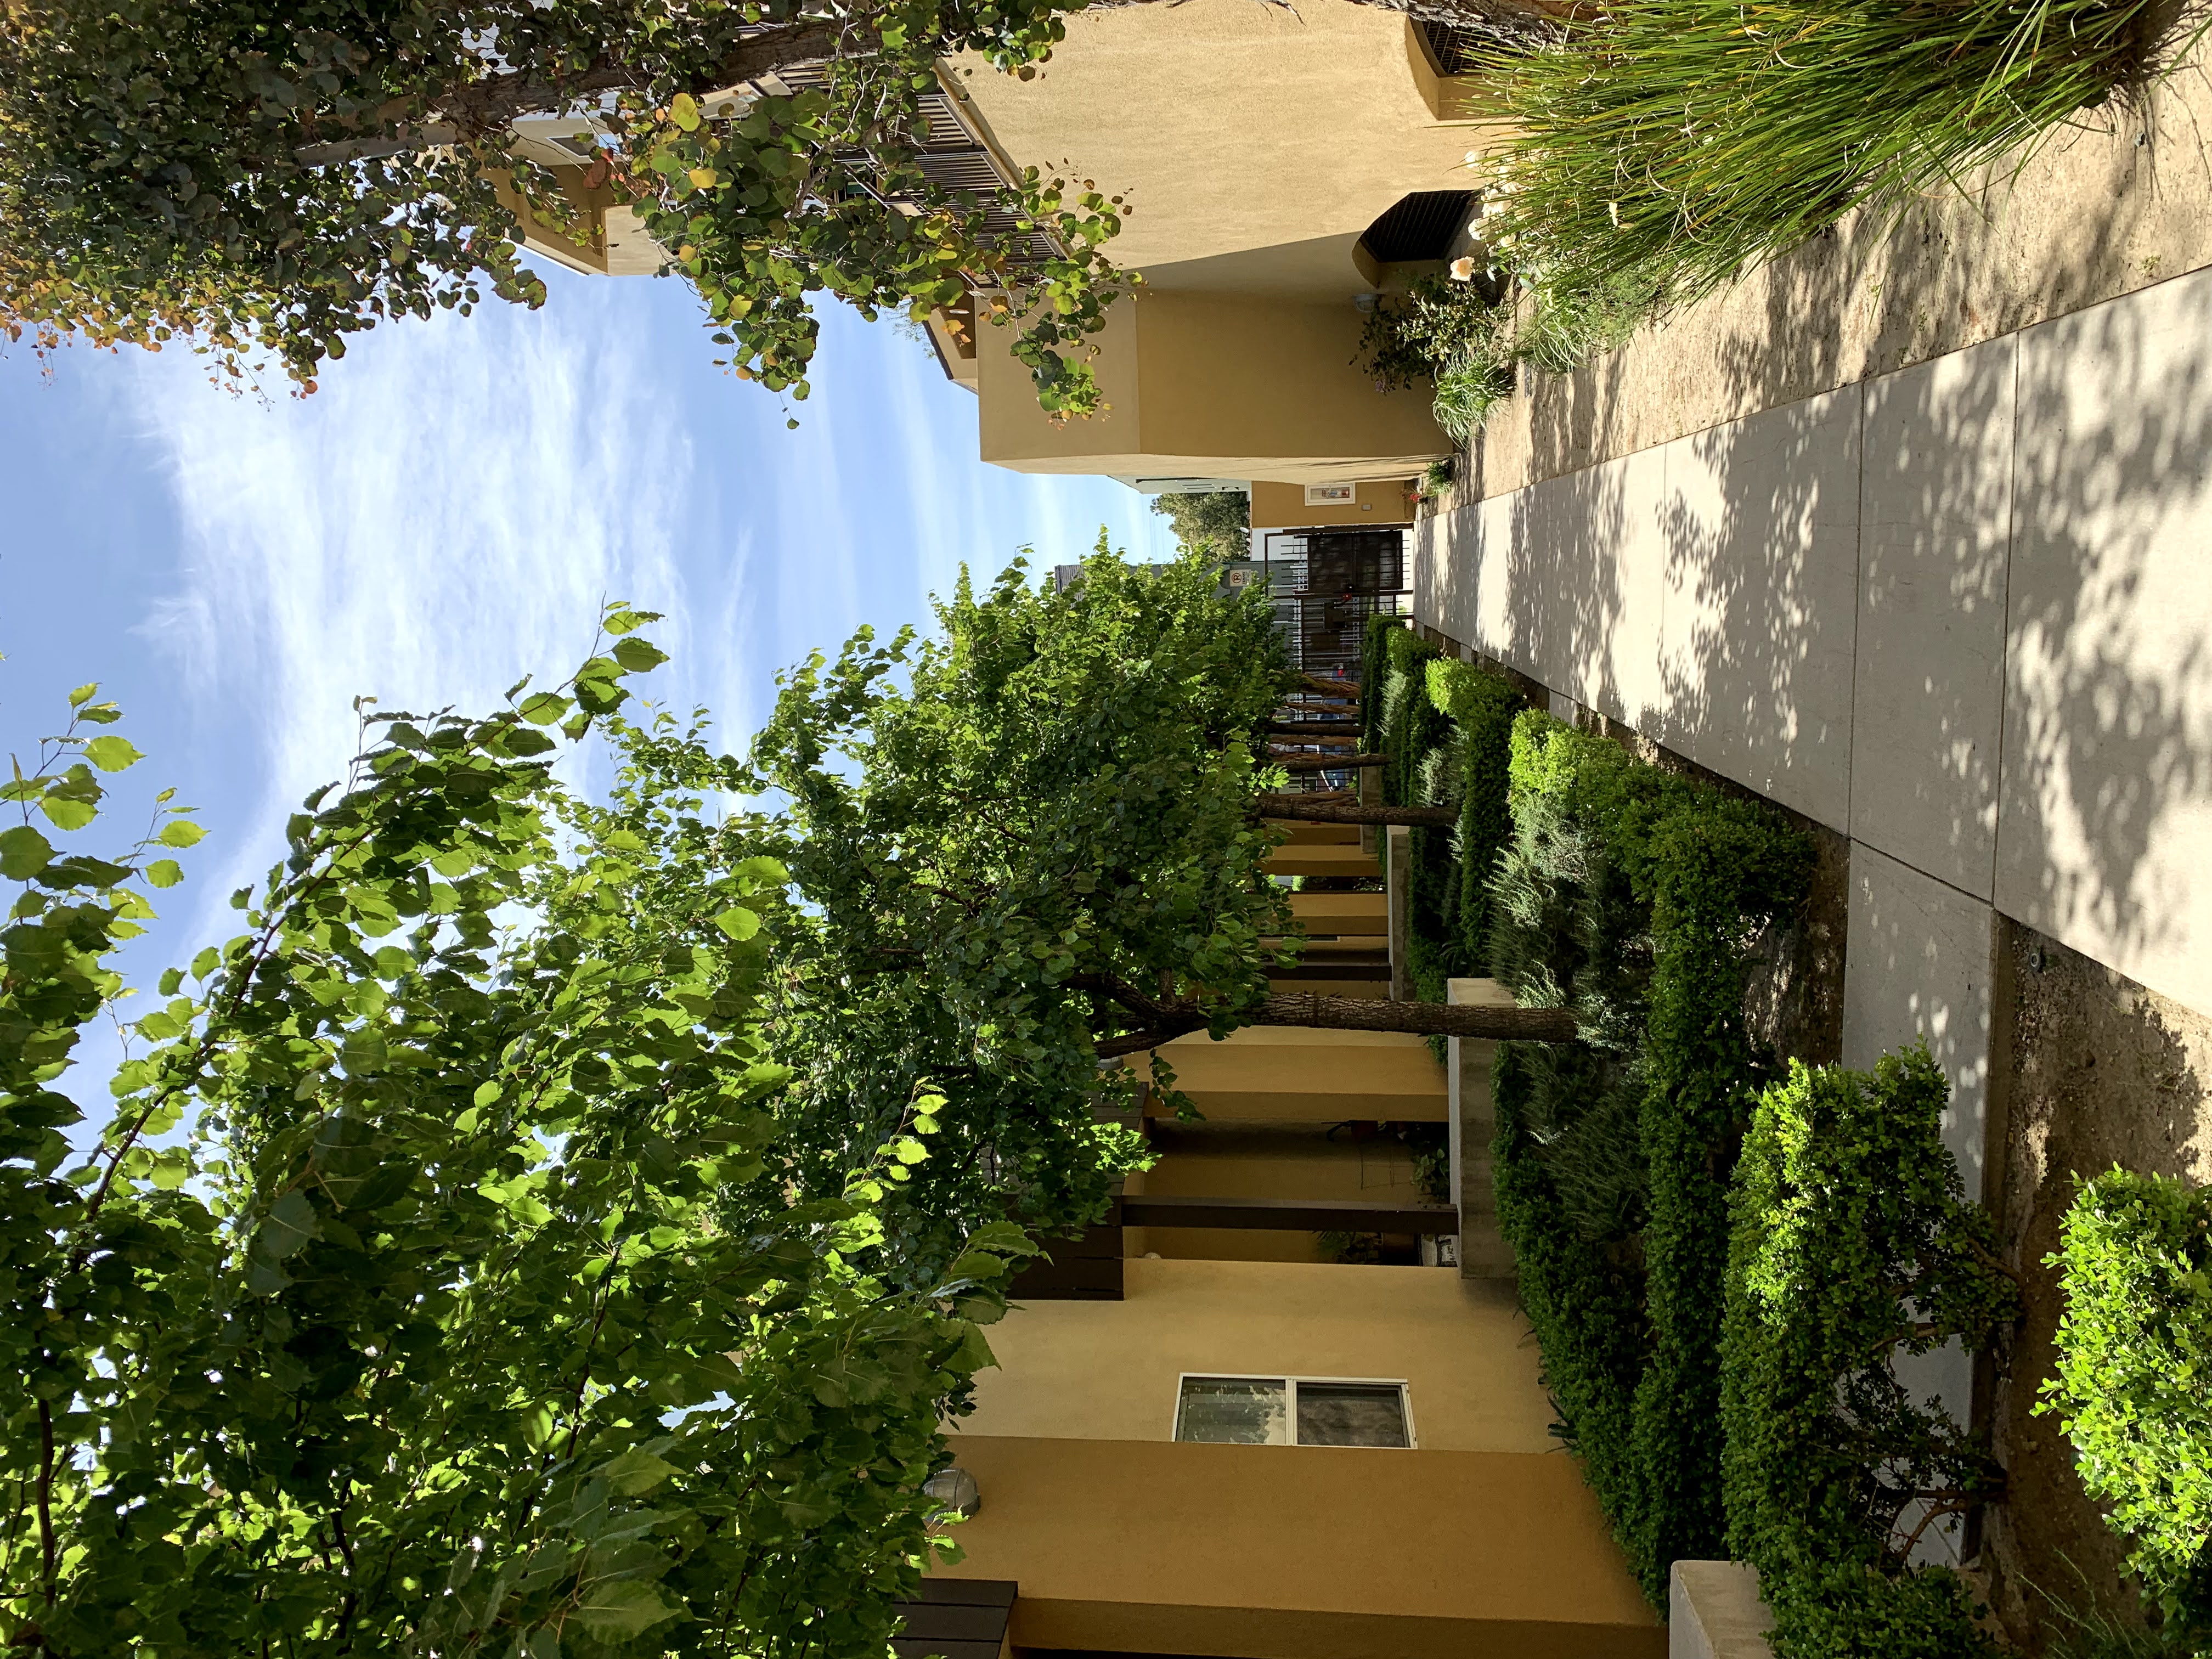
x=1331, y=495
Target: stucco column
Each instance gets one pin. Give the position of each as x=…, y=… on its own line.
x=1714, y=1611
x=1483, y=1252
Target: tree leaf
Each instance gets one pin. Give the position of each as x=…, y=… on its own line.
x=634, y=1472
x=111, y=754
x=165, y=873
x=289, y=1228
x=738, y=922
x=612, y=1609
x=180, y=832
x=639, y=656
x=543, y=707
x=23, y=853
x=67, y=811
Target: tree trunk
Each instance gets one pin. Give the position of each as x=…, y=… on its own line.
x=1422, y=1018
x=1169, y=1017
x=1297, y=809
x=1310, y=728
x=1322, y=762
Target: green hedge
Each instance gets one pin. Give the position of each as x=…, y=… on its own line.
x=2134, y=1387
x=1585, y=1302
x=1374, y=671
x=1852, y=1243
x=1629, y=894
x=1482, y=706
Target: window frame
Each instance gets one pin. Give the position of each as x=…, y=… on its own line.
x=1290, y=1380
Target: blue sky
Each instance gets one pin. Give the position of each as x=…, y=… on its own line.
x=444, y=515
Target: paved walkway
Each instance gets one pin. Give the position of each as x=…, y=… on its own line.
x=1960, y=613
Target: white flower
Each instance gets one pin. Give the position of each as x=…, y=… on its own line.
x=1463, y=269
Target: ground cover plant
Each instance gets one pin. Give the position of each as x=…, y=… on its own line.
x=1853, y=1245
x=1632, y=896
x=1467, y=335
x=1665, y=145
x=2134, y=1385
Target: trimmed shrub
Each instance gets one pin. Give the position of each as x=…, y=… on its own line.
x=1711, y=866
x=1483, y=707
x=1632, y=896
x=2133, y=1388
x=1585, y=1305
x=1374, y=670
x=1414, y=725
x=1851, y=1243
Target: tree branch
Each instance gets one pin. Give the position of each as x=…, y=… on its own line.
x=1321, y=728
x=496, y=101
x=1302, y=809
x=1322, y=762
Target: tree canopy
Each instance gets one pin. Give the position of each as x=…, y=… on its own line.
x=1045, y=828
x=1221, y=520
x=264, y=180
x=440, y=1281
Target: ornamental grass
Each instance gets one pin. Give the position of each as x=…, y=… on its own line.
x=1676, y=143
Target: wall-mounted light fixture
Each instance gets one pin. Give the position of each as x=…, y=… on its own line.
x=955, y=1491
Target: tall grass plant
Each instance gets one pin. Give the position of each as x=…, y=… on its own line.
x=1669, y=144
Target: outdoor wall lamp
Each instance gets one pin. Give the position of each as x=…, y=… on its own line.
x=956, y=1491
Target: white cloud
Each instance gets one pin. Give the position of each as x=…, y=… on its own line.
x=445, y=516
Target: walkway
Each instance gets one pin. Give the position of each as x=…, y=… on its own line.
x=1958, y=613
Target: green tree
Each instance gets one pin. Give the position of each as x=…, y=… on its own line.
x=1050, y=831
x=439, y=1282
x=1220, y=520
x=265, y=180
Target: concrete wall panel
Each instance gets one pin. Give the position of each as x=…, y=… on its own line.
x=1760, y=550
x=2105, y=825
x=1936, y=513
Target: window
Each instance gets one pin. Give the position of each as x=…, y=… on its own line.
x=1293, y=1411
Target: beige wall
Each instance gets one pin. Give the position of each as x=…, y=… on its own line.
x=1378, y=502
x=1107, y=1371
x=1213, y=386
x=1344, y=915
x=1300, y=1552
x=1256, y=142
x=1303, y=1074
x=1221, y=1160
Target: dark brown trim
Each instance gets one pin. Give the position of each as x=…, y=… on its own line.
x=1355, y=1215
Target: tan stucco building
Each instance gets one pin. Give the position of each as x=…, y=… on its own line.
x=1264, y=148
x=1282, y=163
x=1209, y=1435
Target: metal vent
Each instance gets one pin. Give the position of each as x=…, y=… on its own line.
x=1420, y=226
x=1457, y=50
